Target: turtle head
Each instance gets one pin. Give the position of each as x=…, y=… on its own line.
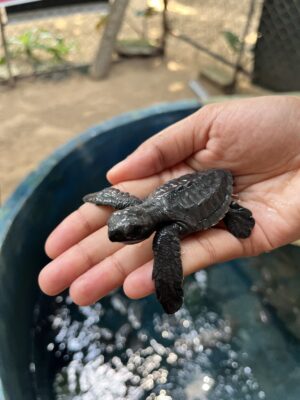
x=131, y=225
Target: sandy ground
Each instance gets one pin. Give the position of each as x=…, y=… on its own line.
x=38, y=115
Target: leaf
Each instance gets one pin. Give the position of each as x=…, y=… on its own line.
x=232, y=40
x=101, y=22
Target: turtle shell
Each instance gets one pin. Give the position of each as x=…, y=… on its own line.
x=199, y=200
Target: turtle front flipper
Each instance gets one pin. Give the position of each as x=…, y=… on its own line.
x=112, y=197
x=167, y=269
x=239, y=221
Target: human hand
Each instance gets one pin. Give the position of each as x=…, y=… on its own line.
x=258, y=140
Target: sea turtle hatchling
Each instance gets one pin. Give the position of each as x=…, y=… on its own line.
x=184, y=205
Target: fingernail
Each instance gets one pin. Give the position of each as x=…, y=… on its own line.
x=116, y=166
x=119, y=165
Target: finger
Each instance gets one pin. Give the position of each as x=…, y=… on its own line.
x=197, y=251
x=81, y=223
x=62, y=271
x=167, y=148
x=110, y=273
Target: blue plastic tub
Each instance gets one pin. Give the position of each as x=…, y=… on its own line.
x=263, y=327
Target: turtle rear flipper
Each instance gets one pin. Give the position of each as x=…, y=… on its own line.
x=112, y=197
x=239, y=221
x=167, y=269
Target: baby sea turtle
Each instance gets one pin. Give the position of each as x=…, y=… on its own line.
x=184, y=205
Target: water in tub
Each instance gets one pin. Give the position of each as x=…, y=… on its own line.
x=235, y=338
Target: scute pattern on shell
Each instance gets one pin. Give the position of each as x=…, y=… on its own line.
x=199, y=200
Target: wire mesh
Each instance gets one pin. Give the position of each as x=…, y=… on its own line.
x=219, y=26
x=216, y=25
x=202, y=20
x=277, y=52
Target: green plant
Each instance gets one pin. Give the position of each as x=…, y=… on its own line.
x=35, y=44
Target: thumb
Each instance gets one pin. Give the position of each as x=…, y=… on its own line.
x=167, y=148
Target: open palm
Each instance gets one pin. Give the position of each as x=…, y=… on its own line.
x=258, y=140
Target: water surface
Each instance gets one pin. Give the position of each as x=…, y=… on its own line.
x=237, y=337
